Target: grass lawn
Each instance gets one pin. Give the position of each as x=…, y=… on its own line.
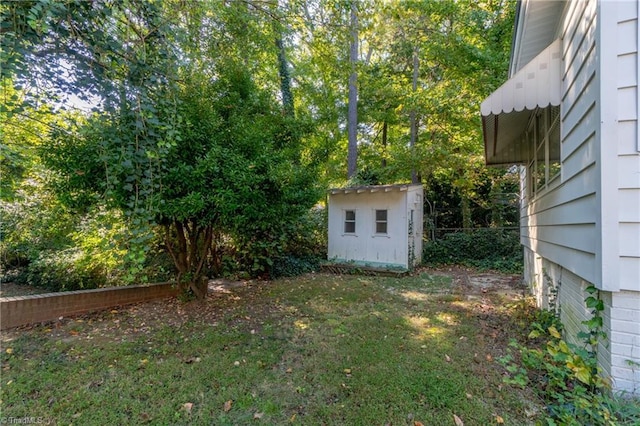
x=317, y=349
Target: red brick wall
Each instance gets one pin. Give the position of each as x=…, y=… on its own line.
x=22, y=310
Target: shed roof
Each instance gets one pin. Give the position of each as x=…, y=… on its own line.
x=373, y=188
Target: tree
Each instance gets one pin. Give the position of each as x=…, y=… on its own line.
x=189, y=90
x=152, y=128
x=236, y=172
x=352, y=119
x=123, y=54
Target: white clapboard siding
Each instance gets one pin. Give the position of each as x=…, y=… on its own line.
x=586, y=228
x=628, y=157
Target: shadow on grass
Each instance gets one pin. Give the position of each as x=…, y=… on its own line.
x=317, y=349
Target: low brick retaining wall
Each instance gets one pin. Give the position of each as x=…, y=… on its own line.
x=22, y=310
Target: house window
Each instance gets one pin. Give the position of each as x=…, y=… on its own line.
x=349, y=221
x=543, y=139
x=381, y=221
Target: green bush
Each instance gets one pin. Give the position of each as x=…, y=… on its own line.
x=290, y=266
x=485, y=248
x=64, y=270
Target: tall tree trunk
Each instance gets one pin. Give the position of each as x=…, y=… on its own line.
x=352, y=118
x=465, y=206
x=413, y=116
x=385, y=125
x=283, y=71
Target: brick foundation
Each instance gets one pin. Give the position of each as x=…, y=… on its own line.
x=22, y=310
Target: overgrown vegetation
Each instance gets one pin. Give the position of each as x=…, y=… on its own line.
x=567, y=375
x=486, y=248
x=195, y=143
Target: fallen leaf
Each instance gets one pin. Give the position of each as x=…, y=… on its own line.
x=499, y=420
x=447, y=357
x=227, y=406
x=289, y=370
x=9, y=351
x=417, y=423
x=187, y=406
x=530, y=412
x=347, y=371
x=469, y=396
x=458, y=420
x=258, y=416
x=489, y=358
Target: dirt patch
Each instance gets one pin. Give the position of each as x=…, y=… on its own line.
x=227, y=299
x=472, y=284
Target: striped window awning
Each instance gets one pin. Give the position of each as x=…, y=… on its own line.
x=507, y=111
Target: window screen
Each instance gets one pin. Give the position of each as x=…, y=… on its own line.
x=381, y=221
x=349, y=221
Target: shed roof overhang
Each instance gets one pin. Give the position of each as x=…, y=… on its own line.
x=507, y=111
x=373, y=188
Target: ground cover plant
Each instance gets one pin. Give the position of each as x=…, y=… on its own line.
x=566, y=375
x=483, y=248
x=316, y=349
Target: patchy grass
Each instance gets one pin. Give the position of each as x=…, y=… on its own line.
x=317, y=349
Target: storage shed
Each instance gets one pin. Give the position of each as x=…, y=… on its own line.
x=377, y=226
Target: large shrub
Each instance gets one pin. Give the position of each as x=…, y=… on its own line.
x=236, y=177
x=305, y=245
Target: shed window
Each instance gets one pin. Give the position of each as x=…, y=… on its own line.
x=381, y=221
x=349, y=221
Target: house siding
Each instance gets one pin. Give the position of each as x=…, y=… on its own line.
x=586, y=229
x=627, y=170
x=560, y=225
x=622, y=313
